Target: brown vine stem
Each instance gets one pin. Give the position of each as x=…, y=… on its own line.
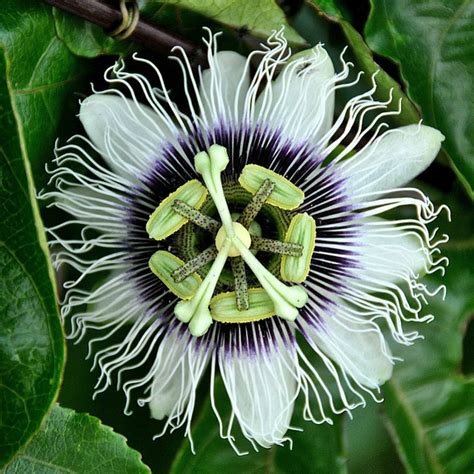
x=146, y=33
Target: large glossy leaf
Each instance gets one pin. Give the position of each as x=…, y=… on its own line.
x=318, y=449
x=42, y=73
x=31, y=342
x=429, y=404
x=36, y=71
x=76, y=443
x=434, y=43
x=363, y=60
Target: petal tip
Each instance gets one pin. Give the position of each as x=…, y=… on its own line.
x=431, y=132
x=384, y=373
x=93, y=113
x=432, y=138
x=230, y=58
x=158, y=411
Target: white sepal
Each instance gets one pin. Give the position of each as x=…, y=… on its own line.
x=389, y=253
x=391, y=161
x=223, y=88
x=300, y=101
x=358, y=348
x=262, y=388
x=178, y=369
x=126, y=133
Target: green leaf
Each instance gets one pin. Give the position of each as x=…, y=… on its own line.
x=259, y=18
x=83, y=38
x=31, y=341
x=318, y=449
x=433, y=43
x=36, y=74
x=42, y=73
x=76, y=443
x=363, y=60
x=429, y=403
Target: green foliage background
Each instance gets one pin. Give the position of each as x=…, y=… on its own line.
x=425, y=50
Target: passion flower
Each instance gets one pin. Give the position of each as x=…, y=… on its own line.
x=226, y=229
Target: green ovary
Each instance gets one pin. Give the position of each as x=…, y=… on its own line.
x=236, y=236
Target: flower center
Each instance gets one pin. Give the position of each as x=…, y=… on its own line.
x=236, y=238
x=240, y=233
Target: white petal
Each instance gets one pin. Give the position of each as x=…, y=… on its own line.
x=113, y=296
x=395, y=158
x=127, y=134
x=262, y=389
x=179, y=367
x=300, y=101
x=356, y=348
x=224, y=86
x=93, y=207
x=388, y=252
